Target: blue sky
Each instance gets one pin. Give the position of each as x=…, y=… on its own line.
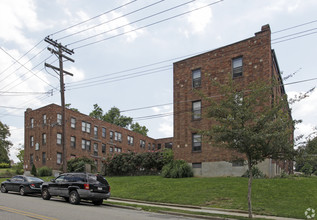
x=127, y=58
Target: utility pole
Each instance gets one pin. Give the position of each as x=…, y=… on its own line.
x=60, y=56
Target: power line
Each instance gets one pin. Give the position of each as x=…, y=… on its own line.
x=121, y=6
x=148, y=25
x=140, y=9
x=296, y=26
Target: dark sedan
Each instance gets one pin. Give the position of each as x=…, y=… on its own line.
x=22, y=184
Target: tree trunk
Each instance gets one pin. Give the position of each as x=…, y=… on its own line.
x=249, y=188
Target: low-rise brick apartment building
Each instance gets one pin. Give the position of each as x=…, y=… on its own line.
x=85, y=136
x=245, y=61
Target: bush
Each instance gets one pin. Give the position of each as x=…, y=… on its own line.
x=177, y=169
x=78, y=164
x=18, y=168
x=5, y=165
x=256, y=173
x=6, y=174
x=33, y=171
x=307, y=169
x=44, y=171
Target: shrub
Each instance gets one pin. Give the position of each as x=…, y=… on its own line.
x=44, y=171
x=78, y=164
x=18, y=168
x=6, y=174
x=256, y=173
x=177, y=169
x=307, y=169
x=33, y=171
x=5, y=165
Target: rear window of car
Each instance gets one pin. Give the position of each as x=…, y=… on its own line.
x=96, y=179
x=33, y=179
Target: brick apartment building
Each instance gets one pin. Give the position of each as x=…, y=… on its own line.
x=246, y=61
x=85, y=136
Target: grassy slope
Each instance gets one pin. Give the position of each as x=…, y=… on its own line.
x=282, y=197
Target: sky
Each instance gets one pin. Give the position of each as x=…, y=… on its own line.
x=124, y=52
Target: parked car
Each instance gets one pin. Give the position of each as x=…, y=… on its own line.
x=76, y=186
x=22, y=184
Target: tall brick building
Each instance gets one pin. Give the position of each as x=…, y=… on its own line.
x=248, y=60
x=85, y=136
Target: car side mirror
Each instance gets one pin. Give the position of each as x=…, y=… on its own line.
x=53, y=180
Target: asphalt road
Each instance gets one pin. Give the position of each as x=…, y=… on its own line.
x=16, y=207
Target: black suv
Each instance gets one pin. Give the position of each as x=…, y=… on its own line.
x=76, y=186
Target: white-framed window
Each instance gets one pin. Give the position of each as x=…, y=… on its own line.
x=88, y=145
x=111, y=135
x=83, y=144
x=44, y=119
x=196, y=76
x=73, y=141
x=85, y=126
x=37, y=146
x=142, y=144
x=32, y=141
x=196, y=142
x=96, y=131
x=59, y=138
x=196, y=110
x=237, y=69
x=59, y=119
x=32, y=122
x=130, y=140
x=118, y=136
x=111, y=149
x=104, y=132
x=73, y=122
x=43, y=138
x=59, y=158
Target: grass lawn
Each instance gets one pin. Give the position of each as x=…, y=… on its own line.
x=288, y=197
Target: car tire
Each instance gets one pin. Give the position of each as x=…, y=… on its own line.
x=45, y=194
x=3, y=189
x=74, y=197
x=97, y=202
x=22, y=191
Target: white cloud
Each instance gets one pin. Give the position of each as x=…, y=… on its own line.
x=17, y=138
x=199, y=19
x=79, y=74
x=165, y=126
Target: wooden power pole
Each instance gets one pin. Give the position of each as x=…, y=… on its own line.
x=60, y=55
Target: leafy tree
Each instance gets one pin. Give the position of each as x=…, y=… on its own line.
x=73, y=109
x=33, y=170
x=136, y=127
x=97, y=112
x=306, y=158
x=250, y=122
x=20, y=155
x=4, y=143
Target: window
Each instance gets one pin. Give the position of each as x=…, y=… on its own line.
x=59, y=119
x=111, y=135
x=37, y=146
x=83, y=144
x=196, y=108
x=73, y=122
x=32, y=141
x=59, y=138
x=43, y=158
x=96, y=132
x=153, y=146
x=44, y=119
x=142, y=144
x=130, y=140
x=238, y=163
x=43, y=139
x=111, y=149
x=169, y=145
x=32, y=122
x=73, y=141
x=95, y=149
x=117, y=136
x=237, y=67
x=31, y=159
x=85, y=127
x=88, y=145
x=196, y=142
x=103, y=148
x=59, y=158
x=196, y=75
x=149, y=146
x=159, y=146
x=104, y=132
x=196, y=165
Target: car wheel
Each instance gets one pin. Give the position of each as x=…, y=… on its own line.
x=97, y=202
x=3, y=189
x=22, y=192
x=45, y=194
x=74, y=197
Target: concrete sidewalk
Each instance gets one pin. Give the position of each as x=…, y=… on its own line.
x=196, y=209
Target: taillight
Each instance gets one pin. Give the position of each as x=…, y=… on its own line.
x=86, y=185
x=109, y=188
x=32, y=185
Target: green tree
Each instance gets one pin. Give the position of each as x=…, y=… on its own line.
x=97, y=112
x=5, y=144
x=306, y=157
x=20, y=155
x=136, y=127
x=249, y=122
x=73, y=109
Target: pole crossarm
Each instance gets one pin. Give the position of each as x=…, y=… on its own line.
x=58, y=69
x=55, y=44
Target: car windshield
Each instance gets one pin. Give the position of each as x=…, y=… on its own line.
x=33, y=179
